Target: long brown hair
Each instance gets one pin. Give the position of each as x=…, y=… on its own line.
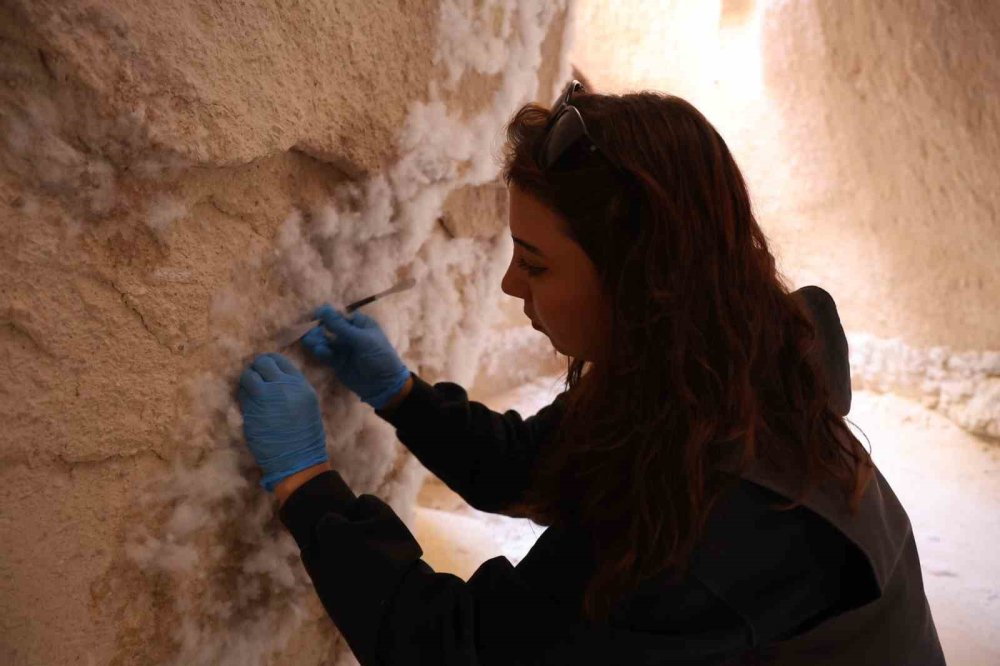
x=709, y=358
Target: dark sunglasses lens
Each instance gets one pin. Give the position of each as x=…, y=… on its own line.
x=567, y=130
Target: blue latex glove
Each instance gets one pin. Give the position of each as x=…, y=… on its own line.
x=281, y=418
x=361, y=356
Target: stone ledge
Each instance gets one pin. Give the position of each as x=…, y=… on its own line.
x=964, y=386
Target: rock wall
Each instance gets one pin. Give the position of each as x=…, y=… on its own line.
x=178, y=181
x=869, y=133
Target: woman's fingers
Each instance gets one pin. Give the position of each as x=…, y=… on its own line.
x=317, y=343
x=285, y=364
x=361, y=320
x=334, y=321
x=267, y=368
x=251, y=382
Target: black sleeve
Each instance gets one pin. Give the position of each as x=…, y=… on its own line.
x=393, y=609
x=483, y=456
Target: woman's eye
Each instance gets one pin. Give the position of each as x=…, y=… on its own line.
x=532, y=270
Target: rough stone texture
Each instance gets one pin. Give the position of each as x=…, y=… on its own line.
x=476, y=212
x=963, y=385
x=178, y=182
x=869, y=134
x=239, y=80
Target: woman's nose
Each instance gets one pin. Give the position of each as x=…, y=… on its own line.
x=508, y=284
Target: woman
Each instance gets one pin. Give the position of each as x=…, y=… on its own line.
x=706, y=502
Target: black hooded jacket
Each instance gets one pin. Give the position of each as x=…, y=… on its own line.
x=812, y=585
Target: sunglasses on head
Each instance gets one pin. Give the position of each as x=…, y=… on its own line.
x=566, y=145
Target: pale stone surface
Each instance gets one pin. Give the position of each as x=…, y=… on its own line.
x=235, y=82
x=478, y=212
x=179, y=181
x=891, y=134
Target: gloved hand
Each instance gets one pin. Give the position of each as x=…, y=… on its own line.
x=281, y=418
x=361, y=356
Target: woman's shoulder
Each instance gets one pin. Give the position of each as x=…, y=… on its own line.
x=746, y=525
x=776, y=568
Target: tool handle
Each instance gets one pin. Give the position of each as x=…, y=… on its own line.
x=401, y=286
x=357, y=304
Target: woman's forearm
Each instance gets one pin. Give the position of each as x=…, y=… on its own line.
x=288, y=485
x=400, y=397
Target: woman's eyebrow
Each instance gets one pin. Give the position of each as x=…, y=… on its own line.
x=528, y=246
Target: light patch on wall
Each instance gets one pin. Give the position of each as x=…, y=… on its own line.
x=707, y=52
x=737, y=65
x=663, y=45
x=163, y=211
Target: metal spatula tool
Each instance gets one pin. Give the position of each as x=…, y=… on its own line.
x=292, y=333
